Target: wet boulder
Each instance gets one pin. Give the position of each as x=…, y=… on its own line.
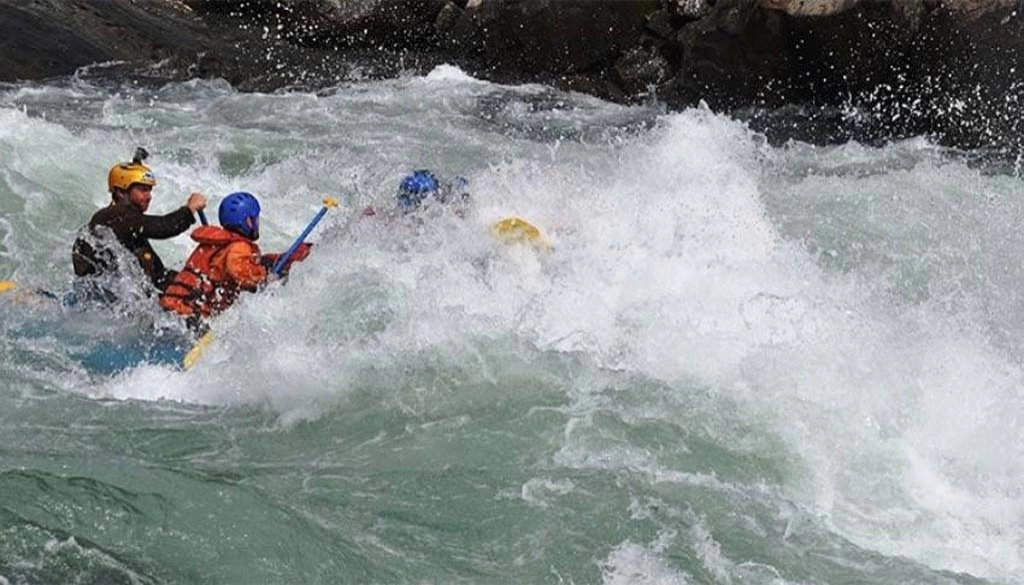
x=49, y=38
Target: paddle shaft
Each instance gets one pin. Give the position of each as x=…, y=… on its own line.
x=279, y=266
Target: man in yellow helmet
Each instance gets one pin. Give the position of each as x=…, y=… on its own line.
x=131, y=185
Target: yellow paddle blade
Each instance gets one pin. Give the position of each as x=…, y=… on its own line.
x=25, y=296
x=513, y=230
x=194, y=354
x=330, y=202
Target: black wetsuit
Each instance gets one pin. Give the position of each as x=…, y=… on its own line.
x=133, y=229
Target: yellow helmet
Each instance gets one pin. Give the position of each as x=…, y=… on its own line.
x=124, y=175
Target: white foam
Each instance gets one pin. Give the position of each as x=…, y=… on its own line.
x=670, y=263
x=448, y=73
x=630, y=563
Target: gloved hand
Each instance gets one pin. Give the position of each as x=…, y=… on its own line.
x=301, y=253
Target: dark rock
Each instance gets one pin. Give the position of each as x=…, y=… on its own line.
x=328, y=23
x=690, y=9
x=728, y=58
x=660, y=24
x=596, y=86
x=640, y=69
x=47, y=38
x=457, y=30
x=448, y=17
x=557, y=38
x=309, y=44
x=953, y=69
x=910, y=68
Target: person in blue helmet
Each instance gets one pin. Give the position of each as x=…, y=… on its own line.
x=226, y=262
x=422, y=189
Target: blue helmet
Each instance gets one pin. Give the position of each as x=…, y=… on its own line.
x=415, y=188
x=240, y=213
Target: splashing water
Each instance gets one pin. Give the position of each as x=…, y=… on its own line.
x=740, y=363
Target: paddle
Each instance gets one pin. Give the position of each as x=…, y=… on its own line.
x=203, y=342
x=22, y=295
x=202, y=217
x=197, y=350
x=516, y=229
x=329, y=202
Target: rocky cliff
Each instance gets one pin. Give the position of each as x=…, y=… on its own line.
x=823, y=70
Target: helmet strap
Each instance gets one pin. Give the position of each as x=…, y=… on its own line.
x=119, y=196
x=123, y=197
x=247, y=233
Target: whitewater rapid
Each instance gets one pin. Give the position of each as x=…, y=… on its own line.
x=785, y=364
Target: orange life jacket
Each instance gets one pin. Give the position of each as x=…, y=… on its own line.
x=219, y=269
